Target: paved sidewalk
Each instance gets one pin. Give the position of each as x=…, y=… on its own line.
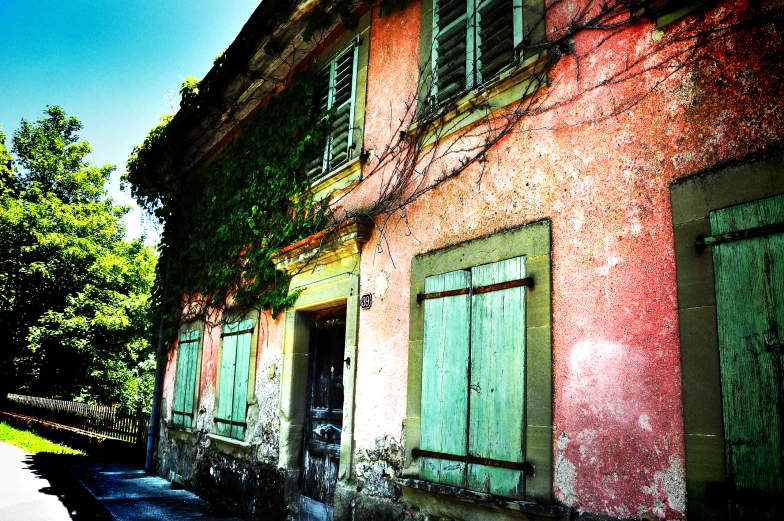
x=129, y=494
x=24, y=493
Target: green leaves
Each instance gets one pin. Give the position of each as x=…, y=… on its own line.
x=51, y=158
x=224, y=223
x=74, y=294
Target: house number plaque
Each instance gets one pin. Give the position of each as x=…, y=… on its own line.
x=366, y=300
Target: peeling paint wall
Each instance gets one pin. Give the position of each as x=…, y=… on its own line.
x=618, y=433
x=604, y=184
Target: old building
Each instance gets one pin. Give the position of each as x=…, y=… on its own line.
x=552, y=285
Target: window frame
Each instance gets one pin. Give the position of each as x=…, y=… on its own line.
x=692, y=200
x=349, y=172
x=532, y=241
x=230, y=318
x=186, y=329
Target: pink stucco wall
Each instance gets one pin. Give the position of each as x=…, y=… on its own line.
x=604, y=183
x=602, y=177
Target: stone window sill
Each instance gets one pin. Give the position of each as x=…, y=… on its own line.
x=229, y=446
x=512, y=85
x=180, y=432
x=446, y=493
x=339, y=179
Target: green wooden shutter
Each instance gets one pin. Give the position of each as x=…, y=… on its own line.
x=497, y=397
x=226, y=385
x=189, y=391
x=453, y=48
x=495, y=36
x=342, y=97
x=445, y=356
x=185, y=379
x=240, y=400
x=318, y=165
x=233, y=379
x=337, y=94
x=750, y=311
x=178, y=406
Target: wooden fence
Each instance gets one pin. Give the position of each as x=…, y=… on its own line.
x=97, y=419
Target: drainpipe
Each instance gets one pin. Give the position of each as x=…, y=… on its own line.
x=157, y=392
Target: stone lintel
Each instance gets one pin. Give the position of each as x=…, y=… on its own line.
x=335, y=243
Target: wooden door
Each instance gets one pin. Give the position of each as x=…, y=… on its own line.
x=749, y=271
x=324, y=422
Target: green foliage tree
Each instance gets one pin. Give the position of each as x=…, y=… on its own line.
x=74, y=294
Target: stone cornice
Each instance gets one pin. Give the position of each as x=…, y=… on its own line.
x=331, y=245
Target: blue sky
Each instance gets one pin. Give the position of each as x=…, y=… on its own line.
x=110, y=63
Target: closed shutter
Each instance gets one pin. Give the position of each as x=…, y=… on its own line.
x=495, y=31
x=185, y=379
x=337, y=95
x=445, y=356
x=474, y=41
x=452, y=50
x=233, y=380
x=497, y=390
x=473, y=379
x=240, y=400
x=749, y=277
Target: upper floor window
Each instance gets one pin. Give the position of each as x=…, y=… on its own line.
x=475, y=40
x=337, y=96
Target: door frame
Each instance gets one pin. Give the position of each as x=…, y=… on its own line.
x=692, y=201
x=325, y=274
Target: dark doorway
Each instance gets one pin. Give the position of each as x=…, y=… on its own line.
x=324, y=421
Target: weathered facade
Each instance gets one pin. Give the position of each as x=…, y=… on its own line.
x=547, y=334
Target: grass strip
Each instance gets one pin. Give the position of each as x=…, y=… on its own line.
x=32, y=442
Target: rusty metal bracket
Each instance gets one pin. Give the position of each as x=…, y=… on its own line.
x=524, y=466
x=235, y=333
x=527, y=282
x=762, y=231
x=230, y=422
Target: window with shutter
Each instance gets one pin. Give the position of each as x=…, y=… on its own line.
x=479, y=413
x=473, y=42
x=186, y=379
x=337, y=97
x=234, y=378
x=473, y=378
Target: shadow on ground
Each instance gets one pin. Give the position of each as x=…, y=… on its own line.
x=81, y=505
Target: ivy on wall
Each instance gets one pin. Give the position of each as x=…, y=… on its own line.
x=224, y=222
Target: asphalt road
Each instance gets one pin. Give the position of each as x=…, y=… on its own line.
x=24, y=494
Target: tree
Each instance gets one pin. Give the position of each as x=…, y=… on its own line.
x=73, y=292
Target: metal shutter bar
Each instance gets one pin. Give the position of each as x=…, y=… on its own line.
x=230, y=422
x=527, y=282
x=235, y=333
x=524, y=466
x=750, y=233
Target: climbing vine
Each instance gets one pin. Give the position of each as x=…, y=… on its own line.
x=224, y=222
